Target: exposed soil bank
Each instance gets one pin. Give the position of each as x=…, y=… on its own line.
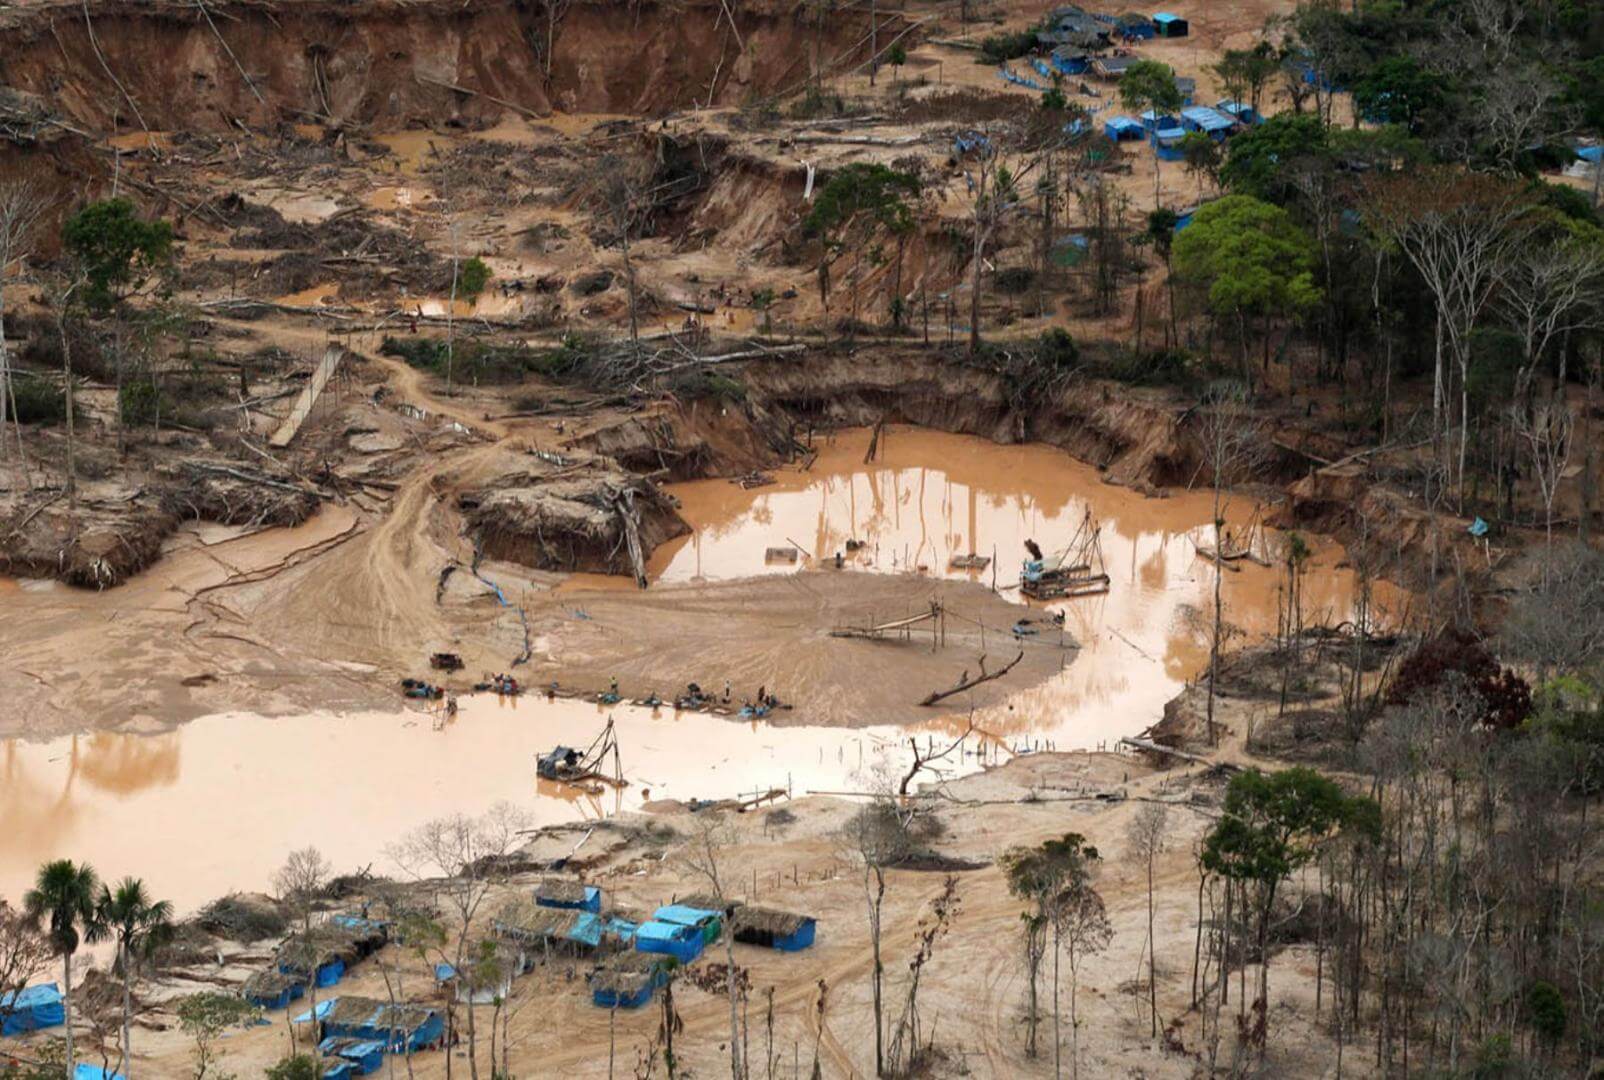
x=388, y=63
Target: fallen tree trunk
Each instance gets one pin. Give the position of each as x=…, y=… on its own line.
x=970, y=684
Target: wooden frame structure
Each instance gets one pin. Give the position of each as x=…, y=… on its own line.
x=1077, y=570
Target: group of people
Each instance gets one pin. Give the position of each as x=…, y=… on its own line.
x=504, y=684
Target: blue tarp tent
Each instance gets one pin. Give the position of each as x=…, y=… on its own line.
x=569, y=895
x=1167, y=143
x=1070, y=60
x=802, y=939
x=1594, y=154
x=1121, y=128
x=30, y=1009
x=611, y=998
x=1152, y=121
x=1170, y=26
x=85, y=1071
x=1237, y=110
x=414, y=1026
x=340, y=1070
x=708, y=921
x=365, y=1055
x=273, y=989
x=622, y=929
x=1211, y=122
x=683, y=943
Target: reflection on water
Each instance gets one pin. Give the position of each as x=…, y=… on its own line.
x=931, y=496
x=216, y=804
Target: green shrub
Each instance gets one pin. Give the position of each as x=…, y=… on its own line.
x=294, y=1067
x=1153, y=367
x=1002, y=47
x=141, y=403
x=472, y=277
x=707, y=385
x=38, y=401
x=419, y=352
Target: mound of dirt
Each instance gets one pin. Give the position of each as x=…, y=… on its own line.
x=574, y=517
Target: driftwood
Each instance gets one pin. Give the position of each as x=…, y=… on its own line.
x=1185, y=755
x=969, y=684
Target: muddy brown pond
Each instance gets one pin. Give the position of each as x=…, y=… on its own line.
x=215, y=804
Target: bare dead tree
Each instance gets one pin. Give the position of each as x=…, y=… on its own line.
x=1146, y=834
x=1231, y=444
x=468, y=857
x=24, y=952
x=704, y=858
x=875, y=838
x=1547, y=435
x=22, y=205
x=1456, y=228
x=621, y=194
x=299, y=883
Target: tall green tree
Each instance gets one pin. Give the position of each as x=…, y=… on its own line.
x=115, y=251
x=869, y=195
x=63, y=898
x=1250, y=261
x=139, y=925
x=1260, y=161
x=1272, y=825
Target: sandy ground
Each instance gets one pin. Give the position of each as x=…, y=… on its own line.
x=973, y=991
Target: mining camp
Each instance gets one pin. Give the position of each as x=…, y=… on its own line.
x=826, y=541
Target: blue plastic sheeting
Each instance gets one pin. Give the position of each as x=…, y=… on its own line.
x=375, y=1027
x=85, y=1071
x=802, y=939
x=1042, y=69
x=1211, y=122
x=707, y=921
x=683, y=943
x=1071, y=62
x=1594, y=154
x=365, y=1056
x=622, y=929
x=970, y=140
x=591, y=901
x=32, y=1008
x=1119, y=128
x=330, y=973
x=444, y=973
x=1019, y=80
x=611, y=999
x=1478, y=528
x=1152, y=121
x=1240, y=112
x=340, y=1070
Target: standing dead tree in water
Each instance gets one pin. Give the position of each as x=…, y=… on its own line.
x=1229, y=439
x=469, y=858
x=21, y=207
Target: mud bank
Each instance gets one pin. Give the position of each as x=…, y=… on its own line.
x=388, y=64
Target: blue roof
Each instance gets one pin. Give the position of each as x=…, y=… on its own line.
x=349, y=1049
x=322, y=1010
x=1122, y=123
x=442, y=972
x=1208, y=119
x=30, y=997
x=684, y=915
x=1164, y=17
x=664, y=931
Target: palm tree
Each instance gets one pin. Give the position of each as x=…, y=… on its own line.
x=139, y=926
x=65, y=893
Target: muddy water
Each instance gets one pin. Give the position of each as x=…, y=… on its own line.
x=930, y=496
x=214, y=805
